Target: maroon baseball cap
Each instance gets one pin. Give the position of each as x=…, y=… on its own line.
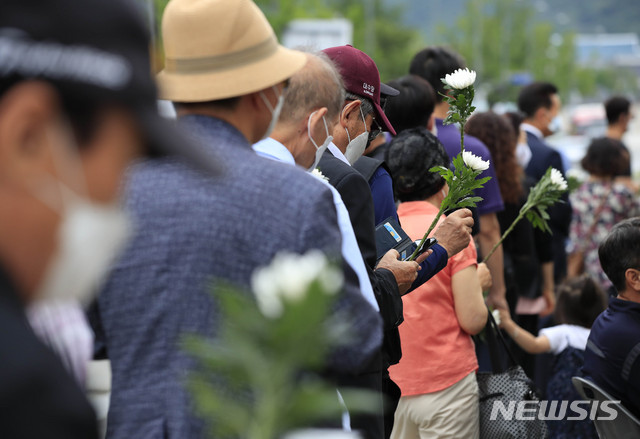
x=360, y=76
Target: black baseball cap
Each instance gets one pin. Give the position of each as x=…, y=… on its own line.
x=96, y=49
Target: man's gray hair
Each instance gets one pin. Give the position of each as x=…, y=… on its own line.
x=365, y=104
x=318, y=84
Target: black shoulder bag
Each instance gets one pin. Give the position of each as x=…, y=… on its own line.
x=502, y=392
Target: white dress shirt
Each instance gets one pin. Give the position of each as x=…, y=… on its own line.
x=337, y=153
x=275, y=150
x=533, y=130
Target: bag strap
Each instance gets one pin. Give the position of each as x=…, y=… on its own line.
x=492, y=330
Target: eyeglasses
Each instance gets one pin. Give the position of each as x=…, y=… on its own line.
x=374, y=132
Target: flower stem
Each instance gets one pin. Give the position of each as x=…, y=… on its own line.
x=462, y=123
x=426, y=235
x=507, y=232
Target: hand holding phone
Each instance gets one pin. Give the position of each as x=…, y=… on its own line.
x=426, y=245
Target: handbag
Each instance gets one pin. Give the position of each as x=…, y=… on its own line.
x=575, y=260
x=508, y=386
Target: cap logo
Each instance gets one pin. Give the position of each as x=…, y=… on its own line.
x=25, y=57
x=368, y=89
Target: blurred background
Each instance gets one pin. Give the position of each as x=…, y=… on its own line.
x=589, y=48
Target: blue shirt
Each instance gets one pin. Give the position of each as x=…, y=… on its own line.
x=612, y=357
x=382, y=191
x=272, y=149
x=449, y=135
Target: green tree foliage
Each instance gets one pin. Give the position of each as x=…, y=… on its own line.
x=501, y=37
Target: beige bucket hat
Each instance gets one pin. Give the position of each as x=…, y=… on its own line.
x=218, y=49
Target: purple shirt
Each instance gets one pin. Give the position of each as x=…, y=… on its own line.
x=490, y=193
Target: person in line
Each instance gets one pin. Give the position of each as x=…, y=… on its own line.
x=528, y=259
x=580, y=301
x=312, y=103
x=618, y=111
x=436, y=373
x=433, y=64
x=598, y=204
x=227, y=83
x=407, y=105
x=619, y=115
x=612, y=358
x=540, y=104
x=77, y=106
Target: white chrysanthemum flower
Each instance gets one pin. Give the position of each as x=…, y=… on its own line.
x=316, y=173
x=474, y=162
x=289, y=277
x=496, y=316
x=558, y=180
x=461, y=78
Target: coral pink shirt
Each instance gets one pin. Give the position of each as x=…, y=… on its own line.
x=436, y=352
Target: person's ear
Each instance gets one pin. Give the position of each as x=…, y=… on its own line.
x=315, y=122
x=349, y=112
x=430, y=122
x=632, y=276
x=28, y=111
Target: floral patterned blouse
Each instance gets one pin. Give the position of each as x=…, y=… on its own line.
x=621, y=203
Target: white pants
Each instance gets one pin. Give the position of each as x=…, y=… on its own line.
x=452, y=413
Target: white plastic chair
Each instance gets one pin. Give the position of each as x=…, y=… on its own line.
x=625, y=426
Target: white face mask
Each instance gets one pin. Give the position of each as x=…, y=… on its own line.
x=322, y=148
x=356, y=147
x=90, y=236
x=523, y=154
x=275, y=112
x=555, y=125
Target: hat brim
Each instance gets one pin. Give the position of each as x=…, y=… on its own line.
x=383, y=118
x=387, y=90
x=164, y=137
x=231, y=82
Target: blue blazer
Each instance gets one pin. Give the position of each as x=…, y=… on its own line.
x=191, y=230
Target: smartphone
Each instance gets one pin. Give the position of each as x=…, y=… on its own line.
x=426, y=245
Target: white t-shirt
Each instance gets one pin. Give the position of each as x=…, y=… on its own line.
x=562, y=336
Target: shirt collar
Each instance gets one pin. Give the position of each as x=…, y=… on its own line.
x=274, y=150
x=533, y=130
x=621, y=305
x=337, y=153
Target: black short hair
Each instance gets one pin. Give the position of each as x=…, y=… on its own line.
x=606, y=157
x=414, y=105
x=580, y=301
x=433, y=64
x=535, y=96
x=411, y=154
x=620, y=250
x=615, y=107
